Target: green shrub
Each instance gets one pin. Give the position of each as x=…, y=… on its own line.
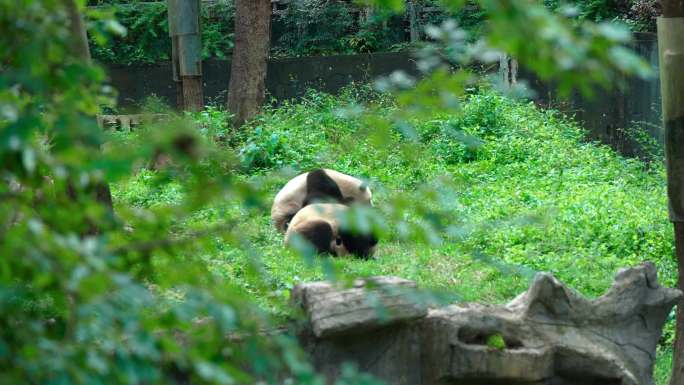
x=313, y=27
x=320, y=27
x=147, y=38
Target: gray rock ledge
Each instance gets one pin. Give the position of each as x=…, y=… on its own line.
x=548, y=335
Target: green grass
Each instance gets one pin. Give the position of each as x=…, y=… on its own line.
x=663, y=367
x=532, y=196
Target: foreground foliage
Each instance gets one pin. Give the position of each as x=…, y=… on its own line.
x=163, y=288
x=88, y=296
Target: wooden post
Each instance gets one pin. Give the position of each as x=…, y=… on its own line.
x=184, y=29
x=175, y=65
x=366, y=14
x=414, y=25
x=508, y=70
x=671, y=54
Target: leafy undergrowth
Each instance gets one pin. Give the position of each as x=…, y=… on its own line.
x=527, y=194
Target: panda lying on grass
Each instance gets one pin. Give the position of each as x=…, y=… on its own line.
x=318, y=223
x=311, y=204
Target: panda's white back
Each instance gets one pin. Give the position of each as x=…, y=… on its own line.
x=288, y=201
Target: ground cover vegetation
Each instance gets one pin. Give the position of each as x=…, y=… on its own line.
x=326, y=27
x=527, y=194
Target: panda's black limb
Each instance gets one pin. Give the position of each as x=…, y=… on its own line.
x=320, y=186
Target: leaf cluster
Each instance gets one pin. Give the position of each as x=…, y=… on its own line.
x=100, y=296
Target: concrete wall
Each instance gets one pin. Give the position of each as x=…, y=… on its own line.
x=286, y=79
x=605, y=116
x=608, y=113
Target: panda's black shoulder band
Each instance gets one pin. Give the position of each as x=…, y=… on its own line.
x=320, y=186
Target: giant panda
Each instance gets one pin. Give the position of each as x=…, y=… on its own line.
x=319, y=224
x=321, y=185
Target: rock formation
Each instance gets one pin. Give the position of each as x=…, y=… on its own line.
x=549, y=335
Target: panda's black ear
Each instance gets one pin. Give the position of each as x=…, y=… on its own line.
x=320, y=186
x=319, y=234
x=360, y=245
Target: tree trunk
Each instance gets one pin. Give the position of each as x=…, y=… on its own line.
x=80, y=50
x=79, y=37
x=678, y=360
x=671, y=52
x=193, y=95
x=247, y=89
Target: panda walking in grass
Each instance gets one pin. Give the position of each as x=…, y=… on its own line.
x=310, y=205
